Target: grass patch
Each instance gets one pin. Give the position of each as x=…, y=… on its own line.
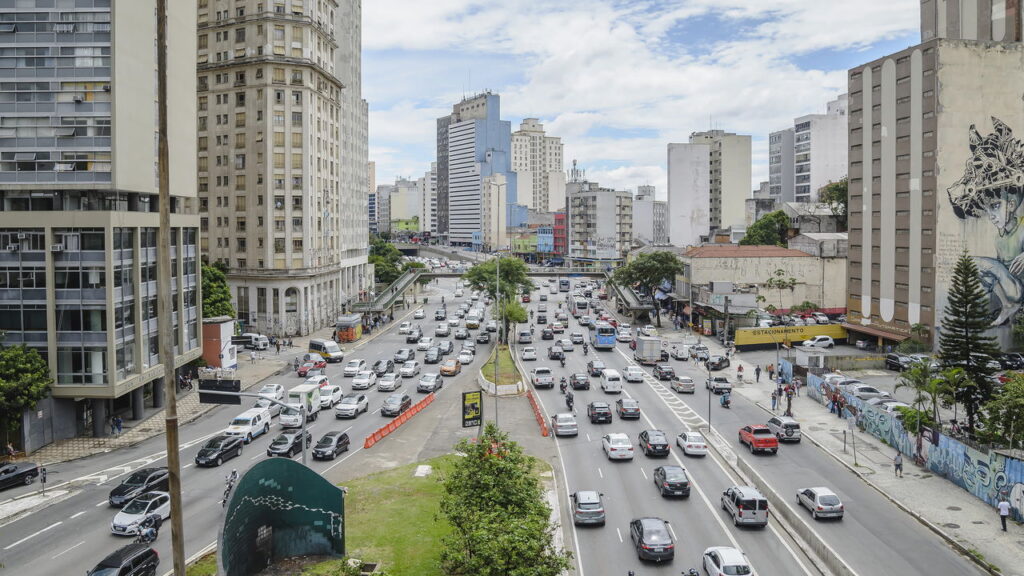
x=205, y=566
x=507, y=370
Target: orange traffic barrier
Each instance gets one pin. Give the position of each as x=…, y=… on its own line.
x=384, y=431
x=368, y=442
x=537, y=413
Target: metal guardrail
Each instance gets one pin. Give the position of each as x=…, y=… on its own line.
x=628, y=297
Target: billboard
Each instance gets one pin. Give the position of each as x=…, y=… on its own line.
x=472, y=409
x=793, y=335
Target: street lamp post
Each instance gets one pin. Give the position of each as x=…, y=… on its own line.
x=497, y=345
x=711, y=392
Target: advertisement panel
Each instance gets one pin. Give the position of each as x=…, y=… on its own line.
x=472, y=409
x=787, y=334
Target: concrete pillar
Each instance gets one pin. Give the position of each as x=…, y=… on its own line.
x=100, y=426
x=138, y=403
x=158, y=392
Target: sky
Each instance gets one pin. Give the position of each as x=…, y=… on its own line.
x=617, y=80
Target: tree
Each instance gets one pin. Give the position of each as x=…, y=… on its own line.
x=24, y=381
x=1004, y=414
x=963, y=342
x=928, y=386
x=484, y=277
x=836, y=196
x=384, y=271
x=779, y=282
x=649, y=271
x=416, y=265
x=216, y=294
x=772, y=229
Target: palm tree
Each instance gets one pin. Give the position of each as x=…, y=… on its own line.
x=917, y=377
x=953, y=379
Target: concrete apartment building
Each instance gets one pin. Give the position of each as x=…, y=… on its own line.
x=372, y=212
x=600, y=224
x=819, y=150
x=934, y=167
x=283, y=157
x=79, y=197
x=427, y=185
x=729, y=174
x=540, y=170
x=371, y=196
x=492, y=234
x=781, y=164
x=649, y=217
x=406, y=204
x=689, y=194
x=383, y=202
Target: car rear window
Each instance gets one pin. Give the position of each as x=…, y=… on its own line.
x=762, y=432
x=675, y=475
x=754, y=504
x=791, y=426
x=829, y=500
x=588, y=506
x=734, y=570
x=656, y=535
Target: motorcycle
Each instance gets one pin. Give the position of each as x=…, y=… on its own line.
x=184, y=383
x=569, y=401
x=149, y=529
x=562, y=385
x=562, y=361
x=586, y=349
x=725, y=401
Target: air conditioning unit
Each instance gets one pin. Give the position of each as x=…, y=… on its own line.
x=106, y=87
x=22, y=235
x=56, y=248
x=79, y=98
x=12, y=247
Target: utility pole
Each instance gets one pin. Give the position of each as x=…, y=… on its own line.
x=164, y=304
x=725, y=336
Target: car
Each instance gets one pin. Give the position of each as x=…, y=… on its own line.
x=446, y=347
x=461, y=334
x=429, y=382
x=388, y=382
x=726, y=561
x=440, y=314
x=679, y=353
x=555, y=353
x=557, y=327
x=351, y=405
x=303, y=370
x=683, y=385
x=330, y=445
x=898, y=362
x=893, y=406
x=624, y=335
x=1011, y=361
x=576, y=338
x=139, y=482
x=395, y=404
x=822, y=502
x=275, y=391
x=617, y=446
x=652, y=539
x=653, y=443
x=672, y=481
x=564, y=424
x=528, y=353
x=465, y=357
x=404, y=327
x=821, y=318
x=746, y=505
x=543, y=297
x=692, y=443
x=819, y=342
x=288, y=443
x=628, y=408
x=865, y=392
x=585, y=320
x=319, y=381
x=759, y=438
x=425, y=343
x=432, y=356
x=451, y=367
x=599, y=412
x=483, y=337
x=126, y=521
x=664, y=372
x=542, y=319
x=718, y=384
x=786, y=429
x=579, y=381
x=419, y=314
x=547, y=334
x=469, y=345
x=700, y=352
x=587, y=508
x=366, y=379
x=491, y=326
x=409, y=369
x=633, y=374
x=271, y=408
x=648, y=330
x=130, y=560
x=330, y=395
x=413, y=336
x=404, y=355
x=542, y=377
x=18, y=473
x=595, y=367
x=717, y=362
x=443, y=330
x=354, y=367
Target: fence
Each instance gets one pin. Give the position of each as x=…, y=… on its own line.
x=402, y=418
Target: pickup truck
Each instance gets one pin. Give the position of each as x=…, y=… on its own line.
x=759, y=438
x=718, y=384
x=543, y=378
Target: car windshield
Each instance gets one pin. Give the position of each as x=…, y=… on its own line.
x=105, y=571
x=565, y=419
x=264, y=403
x=695, y=438
x=137, y=506
x=282, y=439
x=828, y=500
x=393, y=400
x=214, y=444
x=326, y=441
x=349, y=400
x=326, y=392
x=290, y=411
x=268, y=390
x=353, y=364
x=389, y=377
x=137, y=479
x=364, y=374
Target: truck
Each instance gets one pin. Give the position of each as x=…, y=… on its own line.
x=251, y=341
x=648, y=350
x=302, y=397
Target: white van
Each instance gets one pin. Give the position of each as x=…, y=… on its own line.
x=611, y=381
x=256, y=341
x=327, y=349
x=250, y=424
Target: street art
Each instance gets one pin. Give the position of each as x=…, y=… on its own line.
x=992, y=187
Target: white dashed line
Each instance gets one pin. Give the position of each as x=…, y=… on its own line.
x=26, y=538
x=76, y=515
x=619, y=532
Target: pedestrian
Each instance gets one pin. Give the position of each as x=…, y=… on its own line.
x=832, y=404
x=757, y=373
x=739, y=372
x=897, y=465
x=775, y=400
x=1004, y=509
x=796, y=387
x=119, y=423
x=771, y=372
x=11, y=452
x=113, y=427
x=252, y=357
x=278, y=344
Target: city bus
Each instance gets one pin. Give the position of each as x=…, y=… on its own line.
x=602, y=337
x=578, y=306
x=563, y=285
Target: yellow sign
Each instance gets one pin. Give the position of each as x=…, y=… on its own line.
x=472, y=409
x=793, y=335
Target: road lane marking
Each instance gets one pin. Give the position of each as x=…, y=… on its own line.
x=331, y=467
x=588, y=437
x=103, y=503
x=643, y=472
x=673, y=531
x=600, y=473
x=26, y=538
x=256, y=456
x=68, y=550
x=187, y=465
x=77, y=515
x=617, y=531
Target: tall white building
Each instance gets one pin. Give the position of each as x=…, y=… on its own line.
x=493, y=202
x=729, y=173
x=383, y=204
x=649, y=217
x=406, y=202
x=538, y=163
x=689, y=194
x=780, y=165
x=428, y=194
x=820, y=150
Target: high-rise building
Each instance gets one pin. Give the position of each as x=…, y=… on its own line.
x=600, y=224
x=406, y=202
x=649, y=217
x=372, y=212
x=539, y=167
x=980, y=20
x=820, y=150
x=283, y=157
x=474, y=108
x=428, y=193
x=560, y=234
x=371, y=191
x=689, y=194
x=493, y=232
x=933, y=165
x=78, y=186
x=729, y=175
x=781, y=163
x=383, y=199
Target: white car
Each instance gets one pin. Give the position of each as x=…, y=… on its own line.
x=275, y=391
x=819, y=342
x=329, y=396
x=424, y=343
x=692, y=443
x=624, y=335
x=354, y=367
x=633, y=374
x=125, y=522
x=726, y=561
x=649, y=330
x=388, y=382
x=454, y=322
x=364, y=380
x=351, y=405
x=617, y=446
x=465, y=357
x=821, y=501
x=865, y=392
x=265, y=404
x=442, y=330
x=529, y=353
x=821, y=318
x=319, y=381
x=625, y=326
x=410, y=369
x=491, y=326
x=405, y=327
x=566, y=345
x=429, y=382
x=419, y=314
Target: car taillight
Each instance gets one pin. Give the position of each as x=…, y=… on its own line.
x=665, y=484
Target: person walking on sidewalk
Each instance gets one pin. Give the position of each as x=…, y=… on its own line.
x=1004, y=510
x=757, y=372
x=739, y=372
x=119, y=424
x=771, y=372
x=113, y=427
x=775, y=400
x=897, y=464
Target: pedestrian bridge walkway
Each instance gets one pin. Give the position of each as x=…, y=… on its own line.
x=396, y=291
x=627, y=298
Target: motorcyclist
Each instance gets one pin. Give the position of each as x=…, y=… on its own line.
x=563, y=384
x=726, y=401
x=531, y=314
x=562, y=361
x=586, y=349
x=231, y=478
x=568, y=400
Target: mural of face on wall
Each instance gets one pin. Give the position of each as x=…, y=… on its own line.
x=992, y=187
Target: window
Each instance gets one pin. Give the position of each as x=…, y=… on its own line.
x=240, y=120
x=240, y=182
x=240, y=203
x=296, y=162
x=239, y=161
x=239, y=98
x=278, y=96
x=278, y=33
x=204, y=41
x=278, y=77
x=296, y=139
x=240, y=244
x=278, y=161
x=297, y=119
x=297, y=245
x=297, y=76
x=240, y=224
x=278, y=138
x=278, y=245
x=296, y=97
x=240, y=34
x=278, y=224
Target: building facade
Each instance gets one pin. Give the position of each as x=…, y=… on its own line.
x=282, y=158
x=539, y=166
x=982, y=20
x=473, y=108
x=649, y=217
x=560, y=234
x=406, y=201
x=371, y=197
x=79, y=206
x=383, y=202
x=780, y=165
x=428, y=193
x=492, y=228
x=729, y=175
x=600, y=224
x=689, y=194
x=820, y=150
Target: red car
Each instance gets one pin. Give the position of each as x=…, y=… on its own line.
x=314, y=365
x=759, y=438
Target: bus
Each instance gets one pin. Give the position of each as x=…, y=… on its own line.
x=563, y=285
x=578, y=306
x=602, y=337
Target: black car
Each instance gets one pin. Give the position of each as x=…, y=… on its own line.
x=218, y=449
x=395, y=404
x=382, y=367
x=483, y=337
x=139, y=482
x=664, y=372
x=332, y=444
x=446, y=347
x=1011, y=361
x=542, y=318
x=413, y=336
x=404, y=355
x=599, y=412
x=653, y=443
x=898, y=362
x=672, y=481
x=18, y=473
x=288, y=443
x=717, y=363
x=461, y=334
x=131, y=560
x=595, y=368
x=652, y=539
x=547, y=334
x=579, y=381
x=432, y=356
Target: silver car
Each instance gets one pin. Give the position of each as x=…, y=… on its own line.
x=364, y=380
x=388, y=382
x=822, y=502
x=351, y=405
x=410, y=369
x=564, y=425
